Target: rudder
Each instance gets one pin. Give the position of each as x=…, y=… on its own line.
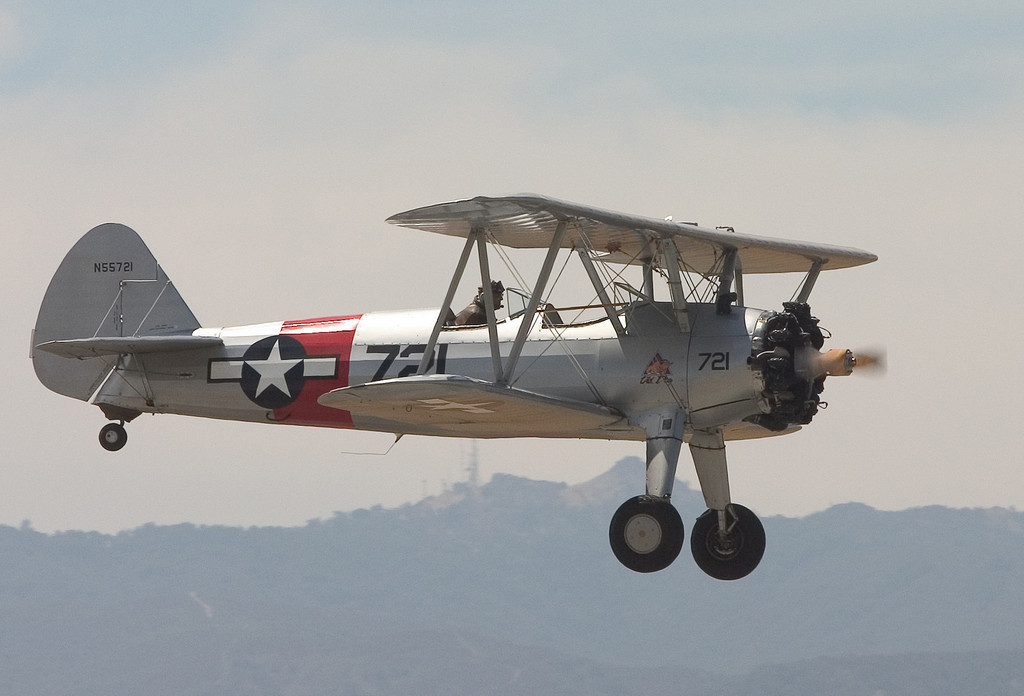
x=109, y=284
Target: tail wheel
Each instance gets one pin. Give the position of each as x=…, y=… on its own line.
x=730, y=554
x=646, y=534
x=113, y=436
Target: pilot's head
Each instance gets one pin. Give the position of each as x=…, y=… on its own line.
x=497, y=291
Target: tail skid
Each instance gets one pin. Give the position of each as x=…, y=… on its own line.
x=108, y=296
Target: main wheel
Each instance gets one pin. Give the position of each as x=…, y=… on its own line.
x=733, y=554
x=646, y=534
x=113, y=436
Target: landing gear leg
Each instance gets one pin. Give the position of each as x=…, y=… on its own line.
x=646, y=532
x=113, y=436
x=728, y=540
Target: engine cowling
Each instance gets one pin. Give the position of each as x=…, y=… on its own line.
x=785, y=352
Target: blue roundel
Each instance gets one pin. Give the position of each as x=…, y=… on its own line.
x=272, y=371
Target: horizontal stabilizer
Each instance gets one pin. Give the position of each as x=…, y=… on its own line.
x=462, y=406
x=120, y=345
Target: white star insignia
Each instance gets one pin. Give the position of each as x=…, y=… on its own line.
x=445, y=405
x=272, y=371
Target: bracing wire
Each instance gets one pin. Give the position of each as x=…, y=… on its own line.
x=500, y=250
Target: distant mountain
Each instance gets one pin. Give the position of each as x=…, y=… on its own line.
x=511, y=588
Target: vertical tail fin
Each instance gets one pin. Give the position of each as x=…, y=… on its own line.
x=109, y=284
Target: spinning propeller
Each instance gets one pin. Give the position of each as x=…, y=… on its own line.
x=840, y=362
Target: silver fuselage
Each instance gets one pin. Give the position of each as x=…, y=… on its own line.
x=704, y=371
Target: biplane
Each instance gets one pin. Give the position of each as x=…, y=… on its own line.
x=664, y=352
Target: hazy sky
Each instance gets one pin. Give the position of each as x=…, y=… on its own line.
x=259, y=146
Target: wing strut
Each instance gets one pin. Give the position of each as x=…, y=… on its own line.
x=453, y=287
x=530, y=315
x=739, y=282
x=812, y=276
x=502, y=373
x=725, y=278
x=675, y=283
x=602, y=294
x=492, y=322
x=648, y=287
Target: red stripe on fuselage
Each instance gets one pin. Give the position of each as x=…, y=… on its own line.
x=325, y=337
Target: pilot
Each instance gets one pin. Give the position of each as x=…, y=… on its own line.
x=475, y=312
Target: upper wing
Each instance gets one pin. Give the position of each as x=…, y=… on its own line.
x=466, y=407
x=529, y=221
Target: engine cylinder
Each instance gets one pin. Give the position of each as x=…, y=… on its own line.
x=780, y=340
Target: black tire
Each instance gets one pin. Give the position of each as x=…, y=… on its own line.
x=733, y=556
x=113, y=436
x=646, y=534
